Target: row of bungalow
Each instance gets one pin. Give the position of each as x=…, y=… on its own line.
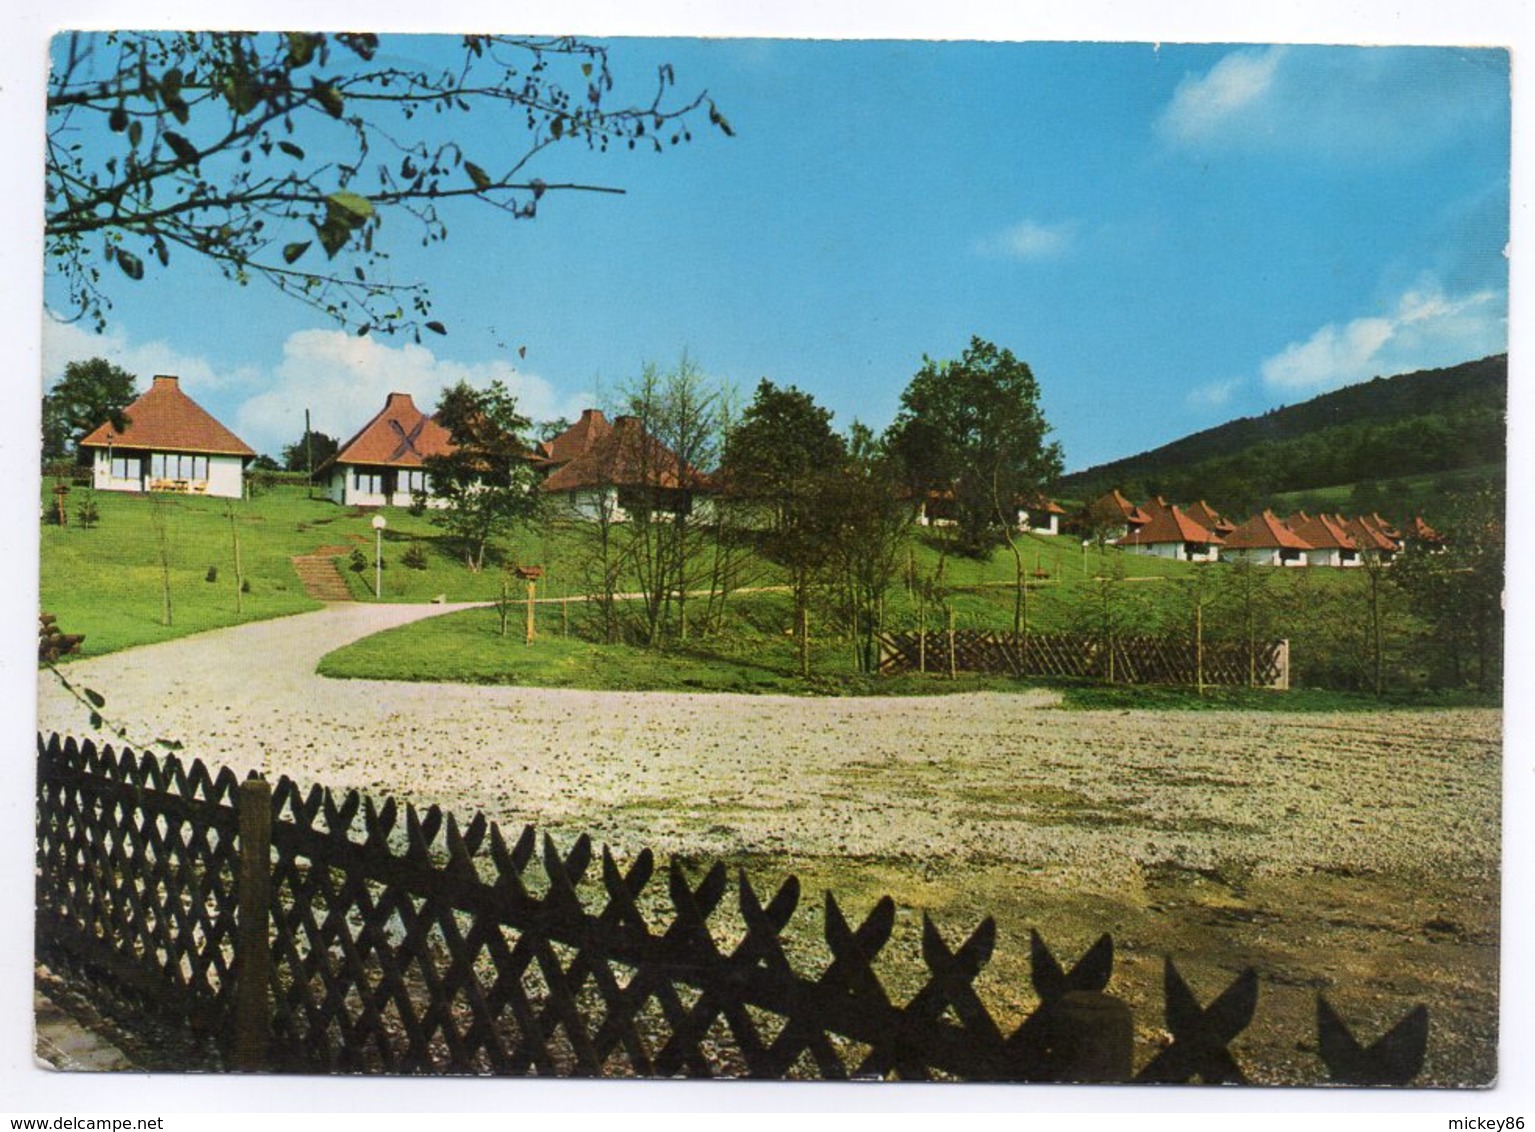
x=1201, y=534
x=168, y=442
x=599, y=468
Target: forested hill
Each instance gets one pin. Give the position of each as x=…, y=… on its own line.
x=1415, y=423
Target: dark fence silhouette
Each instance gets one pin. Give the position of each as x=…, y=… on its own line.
x=305, y=932
x=1119, y=660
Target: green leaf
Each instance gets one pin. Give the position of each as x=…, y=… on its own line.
x=477, y=175
x=557, y=127
x=135, y=133
x=132, y=265
x=178, y=108
x=96, y=721
x=291, y=150
x=719, y=120
x=96, y=698
x=169, y=744
x=329, y=98
x=437, y=328
x=333, y=235
x=291, y=252
x=183, y=149
x=118, y=119
x=301, y=48
x=353, y=210
x=586, y=69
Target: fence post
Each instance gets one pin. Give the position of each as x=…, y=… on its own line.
x=1282, y=681
x=253, y=956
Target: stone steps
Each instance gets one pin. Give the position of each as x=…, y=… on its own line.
x=321, y=577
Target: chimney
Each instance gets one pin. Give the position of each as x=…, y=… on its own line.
x=167, y=379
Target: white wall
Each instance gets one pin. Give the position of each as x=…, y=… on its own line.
x=226, y=477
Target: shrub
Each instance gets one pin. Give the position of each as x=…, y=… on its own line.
x=245, y=586
x=212, y=575
x=358, y=560
x=414, y=556
x=87, y=513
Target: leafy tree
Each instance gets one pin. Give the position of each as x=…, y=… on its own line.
x=90, y=394
x=780, y=459
x=309, y=451
x=265, y=463
x=277, y=156
x=974, y=427
x=1457, y=591
x=870, y=519
x=678, y=415
x=486, y=484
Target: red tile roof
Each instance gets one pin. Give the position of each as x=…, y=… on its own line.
x=1321, y=531
x=1265, y=532
x=400, y=436
x=167, y=420
x=1170, y=525
x=575, y=440
x=1115, y=505
x=1418, y=529
x=625, y=456
x=1367, y=536
x=1042, y=503
x=1207, y=516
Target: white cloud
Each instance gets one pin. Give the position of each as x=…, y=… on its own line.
x=1203, y=105
x=344, y=379
x=1426, y=328
x=1214, y=394
x=1028, y=240
x=65, y=342
x=340, y=378
x=1346, y=102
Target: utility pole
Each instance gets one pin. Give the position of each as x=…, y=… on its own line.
x=309, y=453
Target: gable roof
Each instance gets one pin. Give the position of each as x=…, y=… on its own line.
x=1041, y=503
x=574, y=441
x=1367, y=536
x=1170, y=525
x=1418, y=529
x=166, y=419
x=1264, y=531
x=1322, y=531
x=1113, y=505
x=1207, y=516
x=399, y=436
x=625, y=456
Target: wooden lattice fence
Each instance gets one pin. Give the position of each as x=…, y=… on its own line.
x=1120, y=660
x=308, y=932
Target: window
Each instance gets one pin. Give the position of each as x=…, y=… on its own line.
x=413, y=481
x=367, y=483
x=177, y=466
x=126, y=467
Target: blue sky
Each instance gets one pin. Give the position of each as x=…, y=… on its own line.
x=1170, y=235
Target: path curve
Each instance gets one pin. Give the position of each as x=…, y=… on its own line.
x=975, y=776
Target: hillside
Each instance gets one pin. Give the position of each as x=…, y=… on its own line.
x=1412, y=425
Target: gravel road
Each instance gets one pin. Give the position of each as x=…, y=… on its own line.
x=1090, y=796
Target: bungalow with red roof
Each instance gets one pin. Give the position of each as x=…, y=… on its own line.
x=1331, y=544
x=560, y=450
x=615, y=470
x=1039, y=514
x=1211, y=519
x=1172, y=534
x=168, y=443
x=1264, y=540
x=1419, y=533
x=1370, y=536
x=383, y=464
x=1114, y=515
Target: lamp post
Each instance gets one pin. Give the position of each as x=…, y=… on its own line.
x=379, y=523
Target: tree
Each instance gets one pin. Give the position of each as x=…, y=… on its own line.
x=870, y=519
x=677, y=415
x=486, y=484
x=309, y=451
x=249, y=149
x=780, y=458
x=91, y=393
x=974, y=427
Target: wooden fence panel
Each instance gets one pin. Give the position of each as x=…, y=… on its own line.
x=1135, y=659
x=402, y=942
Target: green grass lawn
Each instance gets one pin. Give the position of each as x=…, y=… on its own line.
x=104, y=582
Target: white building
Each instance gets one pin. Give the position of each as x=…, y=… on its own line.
x=168, y=442
x=383, y=465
